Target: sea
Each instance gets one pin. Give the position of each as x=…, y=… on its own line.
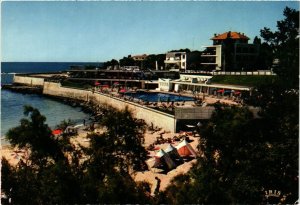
x=12, y=103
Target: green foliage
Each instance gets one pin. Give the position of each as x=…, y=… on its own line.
x=128, y=61
x=113, y=154
x=285, y=46
x=112, y=62
x=59, y=172
x=77, y=84
x=123, y=140
x=265, y=56
x=182, y=50
x=248, y=80
x=34, y=134
x=150, y=61
x=242, y=157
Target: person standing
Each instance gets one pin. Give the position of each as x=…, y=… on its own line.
x=156, y=191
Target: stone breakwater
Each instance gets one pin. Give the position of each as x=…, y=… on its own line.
x=23, y=89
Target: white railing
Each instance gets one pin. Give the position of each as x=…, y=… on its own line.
x=231, y=72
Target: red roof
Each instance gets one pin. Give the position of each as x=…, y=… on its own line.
x=231, y=34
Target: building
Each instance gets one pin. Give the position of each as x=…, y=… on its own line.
x=139, y=57
x=176, y=60
x=181, y=60
x=230, y=52
x=212, y=57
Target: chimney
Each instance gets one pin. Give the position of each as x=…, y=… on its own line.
x=156, y=65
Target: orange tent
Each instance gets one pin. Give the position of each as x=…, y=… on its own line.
x=184, y=149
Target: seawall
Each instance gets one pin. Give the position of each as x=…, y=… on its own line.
x=28, y=80
x=160, y=119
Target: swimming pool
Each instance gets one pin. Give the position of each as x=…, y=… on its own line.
x=156, y=97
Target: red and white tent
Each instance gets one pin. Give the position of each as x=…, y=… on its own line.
x=172, y=151
x=184, y=149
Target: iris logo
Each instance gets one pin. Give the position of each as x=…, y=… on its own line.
x=275, y=196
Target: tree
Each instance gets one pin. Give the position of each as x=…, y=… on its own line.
x=35, y=135
x=112, y=62
x=58, y=171
x=182, y=50
x=285, y=46
x=241, y=158
x=112, y=156
x=128, y=61
x=46, y=174
x=122, y=142
x=265, y=57
x=150, y=61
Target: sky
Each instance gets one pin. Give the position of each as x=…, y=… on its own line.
x=97, y=31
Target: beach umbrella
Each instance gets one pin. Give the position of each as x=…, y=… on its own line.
x=97, y=83
x=57, y=132
x=220, y=91
x=122, y=91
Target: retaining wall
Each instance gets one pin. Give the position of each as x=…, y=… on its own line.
x=160, y=119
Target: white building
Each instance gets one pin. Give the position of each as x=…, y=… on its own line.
x=176, y=60
x=212, y=57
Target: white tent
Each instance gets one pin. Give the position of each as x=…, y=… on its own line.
x=185, y=149
x=153, y=162
x=173, y=153
x=164, y=157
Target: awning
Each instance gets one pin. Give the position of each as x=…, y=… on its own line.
x=97, y=83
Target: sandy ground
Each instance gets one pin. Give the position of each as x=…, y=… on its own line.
x=13, y=155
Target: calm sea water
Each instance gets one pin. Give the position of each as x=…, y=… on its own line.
x=12, y=103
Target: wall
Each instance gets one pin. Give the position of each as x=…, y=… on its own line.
x=32, y=81
x=160, y=119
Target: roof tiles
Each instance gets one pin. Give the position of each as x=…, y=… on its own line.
x=233, y=35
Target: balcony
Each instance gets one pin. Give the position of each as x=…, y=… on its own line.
x=173, y=60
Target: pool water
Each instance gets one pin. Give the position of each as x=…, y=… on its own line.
x=158, y=97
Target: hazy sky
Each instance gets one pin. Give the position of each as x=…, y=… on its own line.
x=99, y=31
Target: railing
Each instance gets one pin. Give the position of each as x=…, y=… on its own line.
x=230, y=72
x=243, y=73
